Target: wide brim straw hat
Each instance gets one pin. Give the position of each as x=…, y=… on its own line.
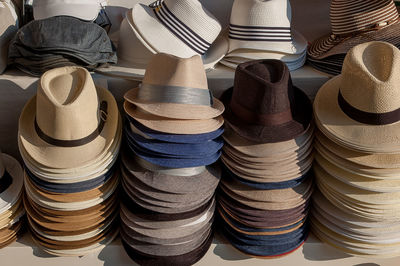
x=68, y=157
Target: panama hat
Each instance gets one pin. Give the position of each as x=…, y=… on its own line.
x=271, y=32
x=263, y=105
x=87, y=10
x=9, y=24
x=81, y=126
x=353, y=24
x=358, y=109
x=11, y=181
x=177, y=88
x=178, y=27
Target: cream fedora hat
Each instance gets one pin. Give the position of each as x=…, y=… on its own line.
x=9, y=24
x=360, y=108
x=177, y=88
x=179, y=27
x=70, y=122
x=11, y=181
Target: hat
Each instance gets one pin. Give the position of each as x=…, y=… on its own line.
x=177, y=88
x=353, y=24
x=85, y=10
x=9, y=24
x=11, y=181
x=264, y=27
x=70, y=122
x=183, y=28
x=359, y=108
x=264, y=106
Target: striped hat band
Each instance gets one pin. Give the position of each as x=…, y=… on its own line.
x=178, y=28
x=350, y=16
x=259, y=33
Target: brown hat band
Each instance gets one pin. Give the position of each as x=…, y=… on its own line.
x=265, y=119
x=77, y=142
x=366, y=117
x=5, y=181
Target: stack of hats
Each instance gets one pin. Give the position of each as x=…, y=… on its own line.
x=357, y=207
x=11, y=207
x=262, y=30
x=62, y=34
x=183, y=28
x=266, y=182
x=69, y=138
x=173, y=136
x=354, y=22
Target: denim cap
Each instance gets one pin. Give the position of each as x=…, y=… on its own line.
x=86, y=42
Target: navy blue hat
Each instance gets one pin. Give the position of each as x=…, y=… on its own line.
x=177, y=138
x=71, y=187
x=172, y=148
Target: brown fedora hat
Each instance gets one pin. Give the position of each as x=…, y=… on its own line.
x=263, y=105
x=176, y=88
x=354, y=23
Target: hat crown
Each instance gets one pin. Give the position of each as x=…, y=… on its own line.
x=67, y=106
x=198, y=19
x=348, y=16
x=262, y=88
x=270, y=13
x=371, y=78
x=169, y=70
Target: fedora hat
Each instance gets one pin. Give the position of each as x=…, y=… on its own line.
x=176, y=88
x=353, y=24
x=264, y=106
x=85, y=10
x=177, y=27
x=359, y=108
x=9, y=24
x=11, y=181
x=70, y=122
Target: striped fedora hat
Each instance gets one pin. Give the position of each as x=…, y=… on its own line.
x=354, y=22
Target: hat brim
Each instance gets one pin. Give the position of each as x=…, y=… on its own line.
x=340, y=128
x=13, y=193
x=327, y=46
x=301, y=113
x=130, y=70
x=176, y=110
x=173, y=126
x=68, y=157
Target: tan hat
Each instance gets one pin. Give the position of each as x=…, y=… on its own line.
x=359, y=109
x=176, y=88
x=9, y=24
x=70, y=122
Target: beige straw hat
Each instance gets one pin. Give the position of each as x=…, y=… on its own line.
x=176, y=88
x=359, y=109
x=70, y=122
x=11, y=177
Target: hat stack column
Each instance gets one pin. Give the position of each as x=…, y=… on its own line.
x=69, y=138
x=357, y=169
x=172, y=139
x=11, y=208
x=263, y=198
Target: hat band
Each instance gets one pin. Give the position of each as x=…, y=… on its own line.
x=366, y=117
x=178, y=28
x=5, y=181
x=263, y=119
x=170, y=171
x=76, y=142
x=258, y=33
x=174, y=94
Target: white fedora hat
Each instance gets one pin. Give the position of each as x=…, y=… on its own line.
x=11, y=181
x=85, y=10
x=183, y=28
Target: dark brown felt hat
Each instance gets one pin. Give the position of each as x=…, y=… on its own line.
x=263, y=105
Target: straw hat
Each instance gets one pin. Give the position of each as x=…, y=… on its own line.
x=70, y=122
x=177, y=88
x=359, y=108
x=264, y=26
x=9, y=24
x=11, y=181
x=183, y=28
x=353, y=24
x=264, y=106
